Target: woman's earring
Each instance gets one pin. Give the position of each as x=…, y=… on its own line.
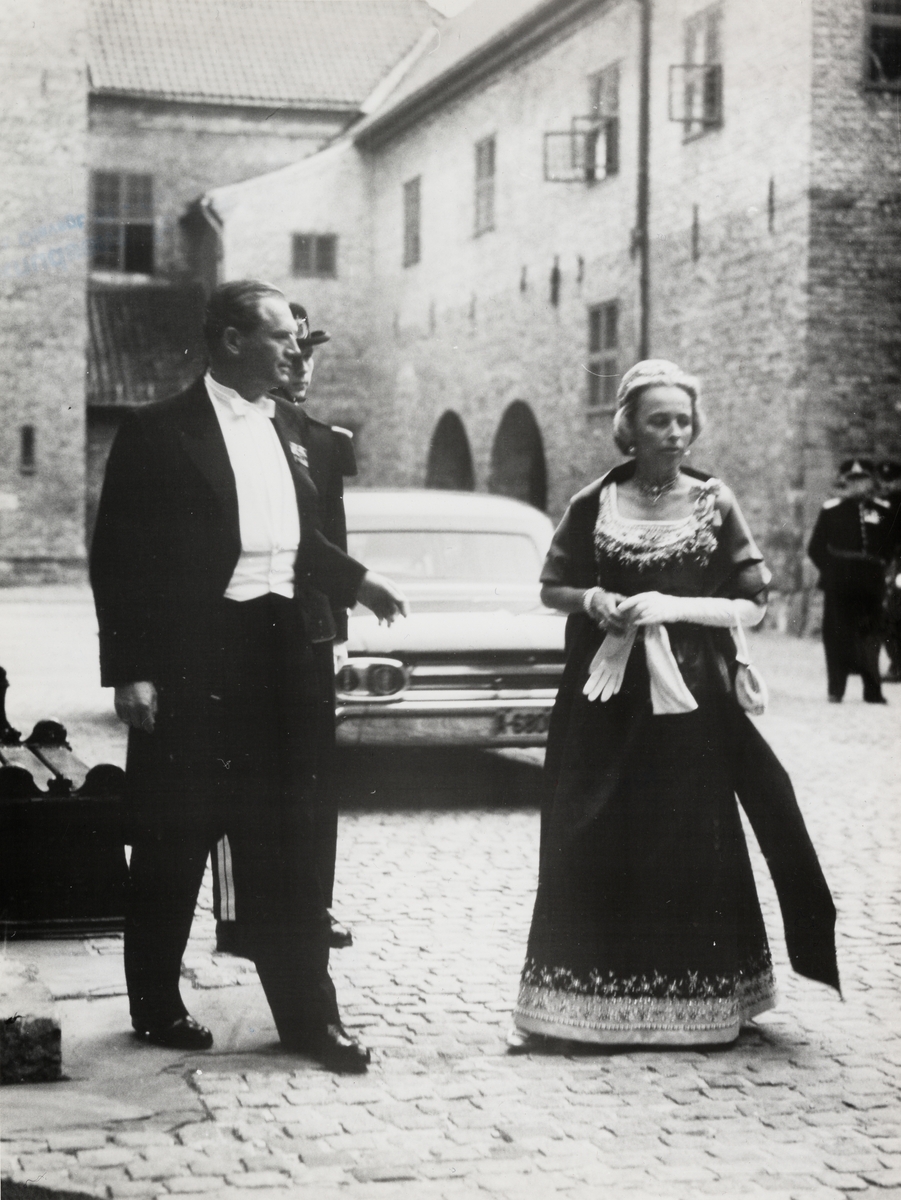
x=630, y=449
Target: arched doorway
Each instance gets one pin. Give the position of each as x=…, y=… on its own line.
x=450, y=459
x=517, y=457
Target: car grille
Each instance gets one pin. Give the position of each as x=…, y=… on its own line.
x=485, y=673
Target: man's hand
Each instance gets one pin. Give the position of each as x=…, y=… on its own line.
x=136, y=705
x=380, y=595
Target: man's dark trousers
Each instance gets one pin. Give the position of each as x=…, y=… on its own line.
x=261, y=786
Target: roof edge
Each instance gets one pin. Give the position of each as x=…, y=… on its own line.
x=516, y=39
x=383, y=89
x=223, y=101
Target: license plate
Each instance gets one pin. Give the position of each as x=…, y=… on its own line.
x=521, y=722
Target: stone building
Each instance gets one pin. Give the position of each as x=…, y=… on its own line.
x=43, y=158
x=117, y=117
x=558, y=187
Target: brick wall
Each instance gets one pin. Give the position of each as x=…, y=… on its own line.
x=730, y=229
x=855, y=252
x=43, y=122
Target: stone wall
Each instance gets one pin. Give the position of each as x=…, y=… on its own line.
x=730, y=231
x=472, y=326
x=327, y=194
x=43, y=124
x=855, y=252
x=190, y=148
x=774, y=263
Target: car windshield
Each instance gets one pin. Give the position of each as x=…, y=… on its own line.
x=469, y=555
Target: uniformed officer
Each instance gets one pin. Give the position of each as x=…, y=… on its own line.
x=888, y=477
x=329, y=457
x=850, y=546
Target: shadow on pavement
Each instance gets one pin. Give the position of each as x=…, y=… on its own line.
x=381, y=779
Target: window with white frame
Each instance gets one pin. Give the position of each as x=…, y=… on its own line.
x=602, y=144
x=603, y=356
x=703, y=80
x=121, y=222
x=484, y=194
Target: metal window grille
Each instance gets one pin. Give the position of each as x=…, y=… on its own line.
x=883, y=57
x=603, y=347
x=584, y=153
x=484, y=197
x=589, y=150
x=412, y=213
x=122, y=234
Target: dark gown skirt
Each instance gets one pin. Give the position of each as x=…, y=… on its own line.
x=647, y=926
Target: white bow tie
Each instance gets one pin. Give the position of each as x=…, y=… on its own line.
x=263, y=406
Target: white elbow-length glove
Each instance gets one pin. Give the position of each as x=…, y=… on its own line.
x=655, y=608
x=605, y=674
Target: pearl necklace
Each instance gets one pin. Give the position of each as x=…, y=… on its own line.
x=653, y=491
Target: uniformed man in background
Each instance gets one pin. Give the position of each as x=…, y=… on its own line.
x=851, y=545
x=888, y=476
x=329, y=459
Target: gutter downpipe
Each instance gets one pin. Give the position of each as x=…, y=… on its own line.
x=644, y=181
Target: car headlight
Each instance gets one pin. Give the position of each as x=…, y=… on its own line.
x=384, y=679
x=347, y=679
x=371, y=677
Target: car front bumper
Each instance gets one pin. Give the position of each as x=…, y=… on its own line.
x=441, y=719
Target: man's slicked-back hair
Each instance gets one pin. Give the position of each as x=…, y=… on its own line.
x=235, y=304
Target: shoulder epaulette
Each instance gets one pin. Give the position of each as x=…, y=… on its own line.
x=881, y=501
x=832, y=502
x=344, y=447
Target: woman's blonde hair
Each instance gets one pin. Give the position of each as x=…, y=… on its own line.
x=652, y=372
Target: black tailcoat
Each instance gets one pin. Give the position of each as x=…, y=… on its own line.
x=166, y=544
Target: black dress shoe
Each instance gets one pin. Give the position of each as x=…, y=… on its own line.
x=183, y=1034
x=333, y=1048
x=339, y=935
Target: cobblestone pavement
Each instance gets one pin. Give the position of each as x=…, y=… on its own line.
x=436, y=876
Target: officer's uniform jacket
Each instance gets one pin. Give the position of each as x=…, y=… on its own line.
x=851, y=527
x=329, y=459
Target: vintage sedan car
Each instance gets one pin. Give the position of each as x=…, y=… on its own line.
x=478, y=660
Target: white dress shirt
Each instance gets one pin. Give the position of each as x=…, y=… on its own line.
x=267, y=501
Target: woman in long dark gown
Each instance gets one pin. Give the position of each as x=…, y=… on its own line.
x=647, y=927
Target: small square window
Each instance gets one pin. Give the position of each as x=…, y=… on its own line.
x=314, y=254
